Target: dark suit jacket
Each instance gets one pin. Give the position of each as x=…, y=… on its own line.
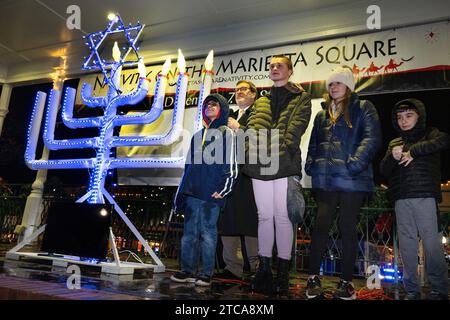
x=240, y=216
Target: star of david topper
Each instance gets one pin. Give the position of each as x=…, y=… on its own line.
x=96, y=40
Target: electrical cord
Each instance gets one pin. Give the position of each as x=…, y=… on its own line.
x=134, y=255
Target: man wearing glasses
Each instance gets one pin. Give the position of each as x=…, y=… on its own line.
x=238, y=224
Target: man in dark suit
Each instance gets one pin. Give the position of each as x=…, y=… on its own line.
x=238, y=223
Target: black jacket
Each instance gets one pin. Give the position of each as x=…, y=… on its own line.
x=422, y=177
x=240, y=215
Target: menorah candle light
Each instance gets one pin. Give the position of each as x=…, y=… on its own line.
x=116, y=72
x=177, y=117
x=205, y=88
x=154, y=112
x=177, y=121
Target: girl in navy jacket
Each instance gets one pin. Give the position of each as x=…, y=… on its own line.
x=344, y=140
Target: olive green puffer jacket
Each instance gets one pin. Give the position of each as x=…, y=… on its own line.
x=276, y=154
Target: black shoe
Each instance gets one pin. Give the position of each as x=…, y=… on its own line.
x=227, y=274
x=412, y=295
x=345, y=291
x=183, y=277
x=314, y=288
x=263, y=280
x=435, y=295
x=281, y=285
x=203, y=281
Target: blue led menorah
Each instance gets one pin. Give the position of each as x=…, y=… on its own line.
x=106, y=140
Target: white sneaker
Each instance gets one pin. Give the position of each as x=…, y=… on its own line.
x=203, y=281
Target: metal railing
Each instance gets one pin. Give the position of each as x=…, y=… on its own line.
x=12, y=205
x=377, y=237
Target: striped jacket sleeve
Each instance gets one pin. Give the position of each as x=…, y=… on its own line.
x=229, y=168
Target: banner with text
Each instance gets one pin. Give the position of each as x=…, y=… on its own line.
x=412, y=58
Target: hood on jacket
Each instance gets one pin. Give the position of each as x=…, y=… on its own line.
x=414, y=104
x=223, y=112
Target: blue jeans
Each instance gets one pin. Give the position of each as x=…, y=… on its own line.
x=200, y=233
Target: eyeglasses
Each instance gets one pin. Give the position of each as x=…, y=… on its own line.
x=242, y=89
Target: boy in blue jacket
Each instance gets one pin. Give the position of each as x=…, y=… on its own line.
x=412, y=166
x=209, y=174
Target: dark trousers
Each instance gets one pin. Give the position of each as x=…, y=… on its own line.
x=417, y=217
x=349, y=206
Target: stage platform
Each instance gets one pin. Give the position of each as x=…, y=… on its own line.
x=39, y=279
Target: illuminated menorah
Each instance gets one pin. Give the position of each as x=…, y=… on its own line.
x=103, y=144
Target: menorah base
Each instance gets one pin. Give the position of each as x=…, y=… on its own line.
x=117, y=267
x=125, y=268
x=159, y=267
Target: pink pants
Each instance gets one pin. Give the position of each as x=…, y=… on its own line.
x=271, y=202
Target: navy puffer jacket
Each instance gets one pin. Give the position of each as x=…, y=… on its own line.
x=339, y=157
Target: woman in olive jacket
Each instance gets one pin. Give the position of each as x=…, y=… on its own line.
x=281, y=117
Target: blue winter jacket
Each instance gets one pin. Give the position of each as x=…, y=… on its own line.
x=211, y=161
x=339, y=157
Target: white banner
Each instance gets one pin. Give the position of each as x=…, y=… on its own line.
x=420, y=48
